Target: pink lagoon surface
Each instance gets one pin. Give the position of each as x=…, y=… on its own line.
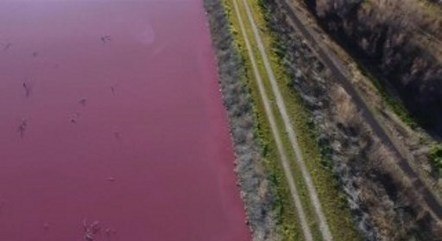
x=112, y=126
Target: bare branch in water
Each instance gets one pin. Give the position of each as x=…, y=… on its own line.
x=105, y=39
x=83, y=102
x=27, y=88
x=7, y=46
x=22, y=127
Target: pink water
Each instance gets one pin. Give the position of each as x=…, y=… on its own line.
x=112, y=125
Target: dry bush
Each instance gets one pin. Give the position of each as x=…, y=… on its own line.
x=398, y=42
x=384, y=204
x=384, y=191
x=419, y=21
x=253, y=178
x=346, y=110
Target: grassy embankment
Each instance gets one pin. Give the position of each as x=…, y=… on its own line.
x=333, y=202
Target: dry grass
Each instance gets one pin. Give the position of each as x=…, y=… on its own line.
x=346, y=109
x=422, y=22
x=419, y=20
x=412, y=141
x=256, y=189
x=373, y=183
x=388, y=195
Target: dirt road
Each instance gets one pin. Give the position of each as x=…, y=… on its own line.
x=271, y=118
x=320, y=50
x=282, y=109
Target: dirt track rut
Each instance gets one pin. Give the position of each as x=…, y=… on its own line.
x=323, y=225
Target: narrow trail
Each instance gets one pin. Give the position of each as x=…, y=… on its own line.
x=341, y=76
x=274, y=128
x=323, y=225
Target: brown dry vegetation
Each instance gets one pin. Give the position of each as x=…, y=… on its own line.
x=419, y=85
x=379, y=194
x=384, y=191
x=384, y=205
x=256, y=190
x=396, y=41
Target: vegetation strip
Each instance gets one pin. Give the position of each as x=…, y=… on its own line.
x=430, y=199
x=274, y=128
x=325, y=230
x=335, y=207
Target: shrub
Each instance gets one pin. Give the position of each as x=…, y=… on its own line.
x=436, y=156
